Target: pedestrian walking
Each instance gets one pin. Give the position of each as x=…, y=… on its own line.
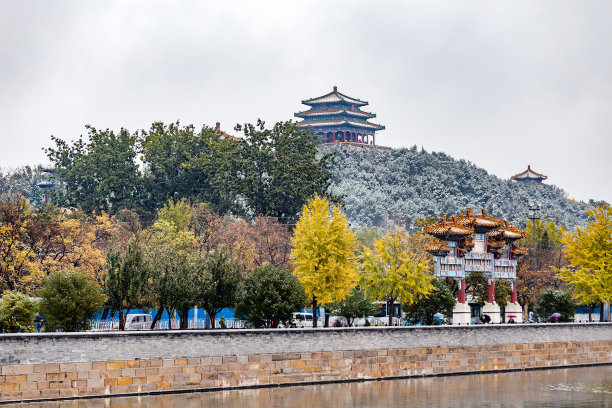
x=39, y=322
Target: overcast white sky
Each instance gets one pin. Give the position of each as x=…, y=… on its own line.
x=502, y=84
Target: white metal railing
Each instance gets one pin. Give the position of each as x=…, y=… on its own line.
x=199, y=323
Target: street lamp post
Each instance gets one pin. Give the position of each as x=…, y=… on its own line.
x=533, y=216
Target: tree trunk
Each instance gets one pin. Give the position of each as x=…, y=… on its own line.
x=609, y=317
x=157, y=317
x=601, y=312
x=184, y=316
x=590, y=310
x=390, y=310
x=212, y=319
x=326, y=314
x=121, y=320
x=170, y=316
x=315, y=320
x=104, y=315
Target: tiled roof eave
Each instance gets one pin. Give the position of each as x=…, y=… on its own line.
x=338, y=98
x=365, y=125
x=330, y=112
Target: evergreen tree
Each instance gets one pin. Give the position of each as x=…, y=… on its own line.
x=69, y=300
x=439, y=300
x=270, y=295
x=220, y=284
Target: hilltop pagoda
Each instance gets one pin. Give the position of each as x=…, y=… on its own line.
x=337, y=118
x=469, y=243
x=529, y=176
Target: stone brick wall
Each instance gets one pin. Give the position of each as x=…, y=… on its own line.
x=85, y=364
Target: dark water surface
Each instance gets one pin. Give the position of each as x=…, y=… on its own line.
x=572, y=387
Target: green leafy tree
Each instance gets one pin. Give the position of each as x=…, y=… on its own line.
x=391, y=271
x=553, y=300
x=355, y=305
x=181, y=162
x=17, y=312
x=589, y=251
x=439, y=300
x=176, y=278
x=324, y=252
x=69, y=300
x=220, y=283
x=126, y=279
x=97, y=173
x=281, y=169
x=173, y=258
x=269, y=296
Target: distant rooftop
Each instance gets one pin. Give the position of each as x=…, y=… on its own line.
x=529, y=175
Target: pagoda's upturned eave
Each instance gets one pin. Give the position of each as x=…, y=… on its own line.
x=338, y=101
x=331, y=112
x=339, y=98
x=331, y=123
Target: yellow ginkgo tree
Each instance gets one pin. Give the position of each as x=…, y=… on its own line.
x=391, y=270
x=589, y=251
x=324, y=253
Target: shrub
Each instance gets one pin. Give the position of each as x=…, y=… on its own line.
x=270, y=295
x=553, y=300
x=17, y=312
x=440, y=300
x=69, y=300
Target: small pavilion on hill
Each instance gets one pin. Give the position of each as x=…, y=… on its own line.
x=337, y=118
x=529, y=175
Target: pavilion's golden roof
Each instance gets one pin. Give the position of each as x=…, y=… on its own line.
x=507, y=233
x=493, y=243
x=448, y=229
x=518, y=251
x=437, y=247
x=478, y=221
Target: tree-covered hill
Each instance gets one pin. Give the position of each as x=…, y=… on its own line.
x=386, y=187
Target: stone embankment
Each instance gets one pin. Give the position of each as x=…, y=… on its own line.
x=69, y=365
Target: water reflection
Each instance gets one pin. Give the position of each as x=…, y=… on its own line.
x=575, y=387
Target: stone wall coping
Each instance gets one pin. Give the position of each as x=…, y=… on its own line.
x=224, y=332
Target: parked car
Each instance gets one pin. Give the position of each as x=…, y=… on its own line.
x=138, y=322
x=303, y=320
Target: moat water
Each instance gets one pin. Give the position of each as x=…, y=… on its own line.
x=573, y=387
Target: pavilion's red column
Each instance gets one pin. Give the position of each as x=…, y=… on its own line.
x=461, y=297
x=491, y=291
x=513, y=295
